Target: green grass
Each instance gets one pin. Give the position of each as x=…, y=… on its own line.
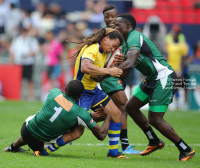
x=80, y=154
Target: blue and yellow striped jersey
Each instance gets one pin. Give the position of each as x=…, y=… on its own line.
x=94, y=54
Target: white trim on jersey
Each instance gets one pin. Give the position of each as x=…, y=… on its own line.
x=81, y=122
x=162, y=70
x=141, y=41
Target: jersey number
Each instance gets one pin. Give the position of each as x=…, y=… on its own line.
x=58, y=110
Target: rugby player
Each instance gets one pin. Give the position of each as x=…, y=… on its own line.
x=90, y=60
x=58, y=115
x=156, y=89
x=114, y=87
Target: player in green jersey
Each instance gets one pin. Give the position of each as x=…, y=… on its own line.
x=114, y=87
x=58, y=116
x=157, y=88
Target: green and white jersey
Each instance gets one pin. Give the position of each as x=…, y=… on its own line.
x=150, y=61
x=58, y=115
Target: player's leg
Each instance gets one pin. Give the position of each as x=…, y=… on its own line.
x=68, y=137
x=133, y=106
x=115, y=124
x=160, y=99
x=16, y=146
x=114, y=87
x=157, y=121
x=114, y=130
x=138, y=100
x=120, y=99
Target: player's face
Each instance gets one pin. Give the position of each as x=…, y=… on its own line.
x=110, y=17
x=121, y=26
x=109, y=45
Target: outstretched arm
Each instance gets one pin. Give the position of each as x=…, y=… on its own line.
x=101, y=132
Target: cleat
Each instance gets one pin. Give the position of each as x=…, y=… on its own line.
x=185, y=156
x=119, y=156
x=153, y=147
x=39, y=153
x=130, y=150
x=9, y=149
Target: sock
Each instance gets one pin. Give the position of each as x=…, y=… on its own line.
x=124, y=139
x=182, y=146
x=113, y=136
x=152, y=137
x=12, y=148
x=54, y=146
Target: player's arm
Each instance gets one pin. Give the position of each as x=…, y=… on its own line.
x=131, y=58
x=88, y=67
x=101, y=132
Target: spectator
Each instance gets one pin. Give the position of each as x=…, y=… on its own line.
x=22, y=52
x=53, y=51
x=175, y=28
x=12, y=22
x=176, y=50
x=4, y=11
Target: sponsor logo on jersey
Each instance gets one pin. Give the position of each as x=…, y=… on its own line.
x=133, y=47
x=119, y=82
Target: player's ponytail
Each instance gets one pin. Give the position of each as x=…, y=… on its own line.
x=96, y=37
x=91, y=39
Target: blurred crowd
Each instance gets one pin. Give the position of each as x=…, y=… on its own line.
x=36, y=40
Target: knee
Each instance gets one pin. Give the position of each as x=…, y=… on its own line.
x=118, y=115
x=79, y=132
x=154, y=121
x=122, y=109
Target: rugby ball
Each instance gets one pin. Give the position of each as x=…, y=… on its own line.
x=110, y=59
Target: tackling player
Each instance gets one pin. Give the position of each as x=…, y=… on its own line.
x=156, y=89
x=58, y=115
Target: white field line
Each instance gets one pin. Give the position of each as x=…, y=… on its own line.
x=105, y=144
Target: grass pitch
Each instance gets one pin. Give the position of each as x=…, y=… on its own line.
x=89, y=152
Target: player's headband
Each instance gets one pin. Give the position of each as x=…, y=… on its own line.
x=109, y=30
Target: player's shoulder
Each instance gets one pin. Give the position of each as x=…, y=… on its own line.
x=54, y=92
x=93, y=48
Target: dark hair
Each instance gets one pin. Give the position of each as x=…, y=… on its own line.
x=74, y=89
x=94, y=38
x=109, y=7
x=130, y=19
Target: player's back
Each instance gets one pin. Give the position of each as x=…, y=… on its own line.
x=58, y=115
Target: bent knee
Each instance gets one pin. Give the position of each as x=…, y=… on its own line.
x=79, y=132
x=154, y=122
x=116, y=116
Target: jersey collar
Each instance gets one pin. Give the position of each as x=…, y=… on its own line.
x=69, y=98
x=129, y=34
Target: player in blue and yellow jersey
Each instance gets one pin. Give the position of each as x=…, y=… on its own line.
x=90, y=60
x=58, y=115
x=157, y=89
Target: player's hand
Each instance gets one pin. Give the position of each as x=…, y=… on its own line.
x=115, y=72
x=98, y=78
x=119, y=58
x=102, y=111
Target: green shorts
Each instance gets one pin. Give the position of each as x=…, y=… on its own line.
x=111, y=85
x=158, y=93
